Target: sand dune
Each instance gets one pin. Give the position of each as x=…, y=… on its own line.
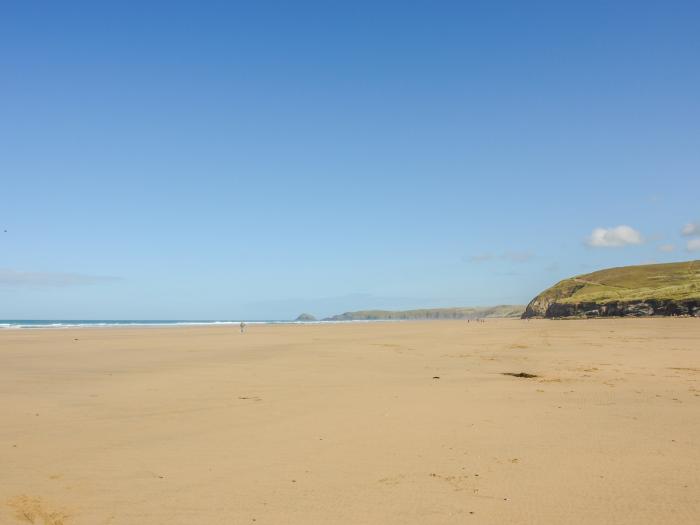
x=385, y=423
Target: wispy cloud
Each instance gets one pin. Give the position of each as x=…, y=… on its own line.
x=516, y=257
x=667, y=248
x=552, y=268
x=693, y=245
x=47, y=279
x=614, y=237
x=692, y=228
x=482, y=257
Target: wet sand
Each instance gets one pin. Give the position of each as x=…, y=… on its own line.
x=383, y=423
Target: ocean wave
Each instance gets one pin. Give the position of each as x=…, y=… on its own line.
x=58, y=324
x=102, y=323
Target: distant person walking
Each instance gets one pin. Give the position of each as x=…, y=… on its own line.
x=242, y=327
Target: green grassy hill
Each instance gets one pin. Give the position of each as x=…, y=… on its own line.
x=432, y=313
x=652, y=289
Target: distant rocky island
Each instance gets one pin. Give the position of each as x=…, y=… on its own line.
x=476, y=312
x=628, y=291
x=305, y=318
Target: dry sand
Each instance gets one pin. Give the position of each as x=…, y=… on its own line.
x=347, y=424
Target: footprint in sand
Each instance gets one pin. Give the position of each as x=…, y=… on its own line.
x=458, y=482
x=685, y=369
x=392, y=480
x=33, y=510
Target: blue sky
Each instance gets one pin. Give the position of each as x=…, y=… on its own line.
x=260, y=159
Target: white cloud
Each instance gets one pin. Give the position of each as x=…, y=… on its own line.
x=614, y=237
x=20, y=278
x=693, y=245
x=667, y=248
x=692, y=228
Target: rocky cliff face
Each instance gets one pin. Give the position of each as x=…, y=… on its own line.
x=627, y=291
x=543, y=307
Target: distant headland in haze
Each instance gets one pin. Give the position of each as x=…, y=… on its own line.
x=476, y=312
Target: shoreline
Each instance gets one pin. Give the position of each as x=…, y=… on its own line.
x=4, y=325
x=59, y=325
x=99, y=324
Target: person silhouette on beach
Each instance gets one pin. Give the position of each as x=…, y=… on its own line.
x=242, y=327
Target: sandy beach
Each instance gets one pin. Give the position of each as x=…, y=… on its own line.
x=386, y=423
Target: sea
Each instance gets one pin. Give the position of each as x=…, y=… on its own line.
x=64, y=323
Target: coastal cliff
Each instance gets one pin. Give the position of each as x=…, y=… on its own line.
x=476, y=312
x=628, y=291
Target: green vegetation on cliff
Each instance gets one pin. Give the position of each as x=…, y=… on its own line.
x=431, y=313
x=664, y=289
